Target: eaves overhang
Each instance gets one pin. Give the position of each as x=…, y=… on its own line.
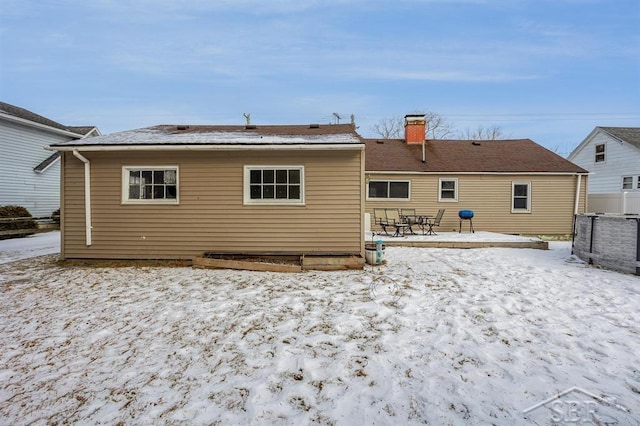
x=29, y=123
x=209, y=147
x=521, y=173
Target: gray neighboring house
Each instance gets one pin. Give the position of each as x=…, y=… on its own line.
x=612, y=157
x=30, y=175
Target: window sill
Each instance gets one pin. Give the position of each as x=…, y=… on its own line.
x=394, y=200
x=149, y=203
x=273, y=203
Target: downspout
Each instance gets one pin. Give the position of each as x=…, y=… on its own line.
x=575, y=213
x=575, y=209
x=637, y=246
x=87, y=194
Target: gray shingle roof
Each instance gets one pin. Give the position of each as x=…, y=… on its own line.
x=627, y=134
x=40, y=168
x=225, y=135
x=81, y=130
x=35, y=118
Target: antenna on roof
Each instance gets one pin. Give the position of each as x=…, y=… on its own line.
x=247, y=117
x=337, y=116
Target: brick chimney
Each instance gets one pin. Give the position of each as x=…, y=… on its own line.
x=414, y=128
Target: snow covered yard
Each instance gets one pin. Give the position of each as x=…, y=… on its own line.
x=31, y=246
x=444, y=337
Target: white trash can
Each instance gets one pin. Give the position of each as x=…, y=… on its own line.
x=374, y=253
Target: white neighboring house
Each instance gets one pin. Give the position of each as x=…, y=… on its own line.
x=29, y=175
x=612, y=157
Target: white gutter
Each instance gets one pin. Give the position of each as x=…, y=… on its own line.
x=229, y=147
x=381, y=172
x=575, y=209
x=87, y=194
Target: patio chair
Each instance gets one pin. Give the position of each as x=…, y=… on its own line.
x=380, y=219
x=410, y=216
x=435, y=222
x=397, y=221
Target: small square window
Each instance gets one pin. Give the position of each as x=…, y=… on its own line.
x=398, y=189
x=627, y=182
x=378, y=189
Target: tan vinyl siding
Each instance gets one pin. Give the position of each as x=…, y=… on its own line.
x=211, y=215
x=489, y=196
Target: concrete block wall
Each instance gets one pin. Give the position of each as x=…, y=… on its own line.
x=613, y=244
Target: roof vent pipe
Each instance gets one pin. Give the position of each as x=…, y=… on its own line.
x=424, y=154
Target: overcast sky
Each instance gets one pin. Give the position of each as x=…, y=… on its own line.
x=548, y=70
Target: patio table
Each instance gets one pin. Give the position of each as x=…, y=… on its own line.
x=417, y=219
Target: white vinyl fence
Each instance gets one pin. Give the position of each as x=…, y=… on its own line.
x=621, y=203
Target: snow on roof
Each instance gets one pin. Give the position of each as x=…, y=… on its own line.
x=225, y=135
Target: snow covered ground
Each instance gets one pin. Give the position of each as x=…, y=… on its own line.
x=437, y=336
x=31, y=246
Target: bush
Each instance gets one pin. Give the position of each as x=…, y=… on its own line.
x=20, y=228
x=55, y=217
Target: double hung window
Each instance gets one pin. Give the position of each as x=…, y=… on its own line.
x=521, y=197
x=600, y=153
x=448, y=190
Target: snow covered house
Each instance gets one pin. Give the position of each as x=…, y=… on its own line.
x=513, y=186
x=174, y=192
x=30, y=175
x=612, y=156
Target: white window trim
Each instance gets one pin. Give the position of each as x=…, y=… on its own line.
x=622, y=183
x=529, y=196
x=163, y=201
x=596, y=153
x=247, y=200
x=455, y=192
x=388, y=198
